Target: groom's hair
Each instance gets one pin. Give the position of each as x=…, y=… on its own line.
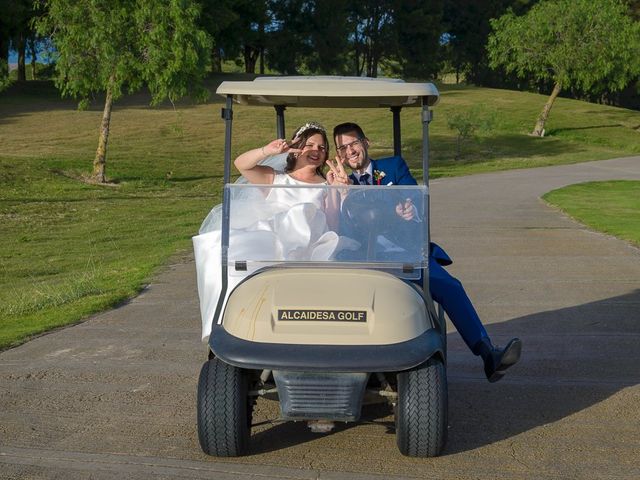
x=346, y=128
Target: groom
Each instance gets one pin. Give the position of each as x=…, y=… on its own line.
x=352, y=147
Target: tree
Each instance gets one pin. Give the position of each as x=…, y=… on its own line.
x=419, y=28
x=115, y=45
x=372, y=34
x=378, y=32
x=467, y=26
x=328, y=37
x=13, y=23
x=220, y=20
x=288, y=41
x=308, y=35
x=582, y=43
x=253, y=18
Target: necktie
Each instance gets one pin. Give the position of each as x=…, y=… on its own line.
x=364, y=179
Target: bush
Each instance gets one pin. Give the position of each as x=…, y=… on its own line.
x=467, y=123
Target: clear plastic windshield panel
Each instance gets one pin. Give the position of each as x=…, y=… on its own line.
x=381, y=227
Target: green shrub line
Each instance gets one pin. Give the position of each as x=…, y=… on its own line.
x=71, y=249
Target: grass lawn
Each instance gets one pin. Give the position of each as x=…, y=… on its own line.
x=70, y=249
x=611, y=207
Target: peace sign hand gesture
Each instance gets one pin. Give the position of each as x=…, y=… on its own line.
x=337, y=175
x=280, y=145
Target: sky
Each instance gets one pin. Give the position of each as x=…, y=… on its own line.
x=13, y=57
x=40, y=56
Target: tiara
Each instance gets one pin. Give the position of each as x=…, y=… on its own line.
x=307, y=126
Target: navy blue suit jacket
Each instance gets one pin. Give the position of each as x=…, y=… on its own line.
x=445, y=289
x=395, y=171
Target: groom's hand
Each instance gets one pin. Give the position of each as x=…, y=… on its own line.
x=406, y=210
x=337, y=175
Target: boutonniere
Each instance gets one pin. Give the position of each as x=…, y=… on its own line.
x=378, y=176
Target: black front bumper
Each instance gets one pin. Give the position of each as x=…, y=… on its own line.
x=325, y=358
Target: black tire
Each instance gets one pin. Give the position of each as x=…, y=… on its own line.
x=421, y=413
x=224, y=409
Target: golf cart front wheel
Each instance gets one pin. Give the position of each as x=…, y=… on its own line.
x=224, y=409
x=421, y=413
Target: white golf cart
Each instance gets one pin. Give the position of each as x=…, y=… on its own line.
x=323, y=319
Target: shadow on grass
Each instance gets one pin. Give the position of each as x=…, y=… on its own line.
x=42, y=96
x=494, y=147
x=216, y=179
x=573, y=358
x=555, y=131
x=195, y=178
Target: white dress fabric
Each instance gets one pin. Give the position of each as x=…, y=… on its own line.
x=287, y=225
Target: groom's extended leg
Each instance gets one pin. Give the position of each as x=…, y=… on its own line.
x=449, y=292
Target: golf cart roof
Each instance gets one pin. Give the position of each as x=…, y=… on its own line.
x=330, y=91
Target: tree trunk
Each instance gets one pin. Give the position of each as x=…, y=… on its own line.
x=261, y=60
x=4, y=57
x=356, y=53
x=99, y=163
x=22, y=46
x=538, y=131
x=260, y=49
x=369, y=59
x=250, y=59
x=216, y=60
x=33, y=51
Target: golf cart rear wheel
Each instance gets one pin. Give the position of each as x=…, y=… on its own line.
x=421, y=413
x=224, y=409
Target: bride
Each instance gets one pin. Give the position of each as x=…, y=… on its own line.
x=307, y=154
x=289, y=222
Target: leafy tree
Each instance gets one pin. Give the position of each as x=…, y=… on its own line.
x=253, y=18
x=13, y=23
x=634, y=7
x=467, y=26
x=328, y=37
x=238, y=29
x=4, y=41
x=307, y=34
x=419, y=28
x=583, y=43
x=115, y=45
x=371, y=23
x=21, y=16
x=220, y=20
x=288, y=41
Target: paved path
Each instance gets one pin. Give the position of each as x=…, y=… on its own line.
x=114, y=397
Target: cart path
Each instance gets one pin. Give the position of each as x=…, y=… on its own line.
x=114, y=397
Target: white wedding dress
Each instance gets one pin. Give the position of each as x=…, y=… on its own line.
x=289, y=224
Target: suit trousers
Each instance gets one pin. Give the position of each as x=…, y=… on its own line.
x=449, y=292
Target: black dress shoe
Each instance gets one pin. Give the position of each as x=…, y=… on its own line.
x=496, y=360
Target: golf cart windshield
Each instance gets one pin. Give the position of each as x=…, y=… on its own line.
x=324, y=225
x=288, y=224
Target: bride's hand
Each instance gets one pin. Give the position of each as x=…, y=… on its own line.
x=280, y=145
x=337, y=175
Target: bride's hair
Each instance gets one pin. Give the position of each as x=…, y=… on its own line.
x=304, y=132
